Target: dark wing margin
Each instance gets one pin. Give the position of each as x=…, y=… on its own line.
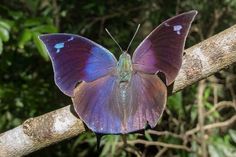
x=162, y=49
x=75, y=58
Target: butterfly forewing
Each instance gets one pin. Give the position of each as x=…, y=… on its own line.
x=162, y=49
x=75, y=59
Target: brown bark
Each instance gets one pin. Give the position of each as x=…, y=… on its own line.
x=200, y=61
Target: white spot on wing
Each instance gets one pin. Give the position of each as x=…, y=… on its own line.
x=72, y=38
x=58, y=46
x=177, y=29
x=61, y=45
x=166, y=24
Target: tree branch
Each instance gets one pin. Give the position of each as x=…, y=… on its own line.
x=199, y=62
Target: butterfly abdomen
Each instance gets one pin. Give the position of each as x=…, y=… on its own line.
x=124, y=102
x=124, y=94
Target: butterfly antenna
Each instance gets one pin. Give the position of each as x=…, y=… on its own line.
x=133, y=37
x=113, y=39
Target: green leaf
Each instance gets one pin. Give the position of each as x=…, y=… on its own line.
x=5, y=25
x=222, y=147
x=16, y=15
x=1, y=46
x=107, y=147
x=207, y=93
x=114, y=145
x=45, y=29
x=233, y=134
x=215, y=114
x=32, y=22
x=41, y=48
x=148, y=136
x=213, y=151
x=4, y=34
x=24, y=38
x=175, y=103
x=193, y=113
x=32, y=5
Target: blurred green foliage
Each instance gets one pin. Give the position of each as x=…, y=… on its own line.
x=26, y=77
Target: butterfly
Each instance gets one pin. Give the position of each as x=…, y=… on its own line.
x=119, y=97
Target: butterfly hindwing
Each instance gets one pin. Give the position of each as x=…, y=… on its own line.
x=94, y=103
x=75, y=59
x=162, y=49
x=149, y=95
x=106, y=109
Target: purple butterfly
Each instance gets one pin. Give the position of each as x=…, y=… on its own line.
x=119, y=97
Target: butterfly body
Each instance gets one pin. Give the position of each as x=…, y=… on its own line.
x=119, y=97
x=124, y=70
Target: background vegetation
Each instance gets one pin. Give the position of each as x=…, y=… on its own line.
x=26, y=77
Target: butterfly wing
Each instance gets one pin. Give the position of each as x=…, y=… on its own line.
x=75, y=58
x=161, y=50
x=149, y=94
x=93, y=102
x=106, y=107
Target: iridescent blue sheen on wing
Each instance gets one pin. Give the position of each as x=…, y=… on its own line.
x=162, y=49
x=75, y=59
x=100, y=106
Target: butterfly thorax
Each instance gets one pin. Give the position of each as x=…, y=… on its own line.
x=124, y=67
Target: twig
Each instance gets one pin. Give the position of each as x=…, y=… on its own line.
x=156, y=143
x=233, y=95
x=217, y=16
x=56, y=13
x=161, y=152
x=201, y=118
x=215, y=93
x=166, y=133
x=177, y=7
x=172, y=118
x=119, y=13
x=220, y=105
x=214, y=84
x=133, y=150
x=102, y=19
x=213, y=126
